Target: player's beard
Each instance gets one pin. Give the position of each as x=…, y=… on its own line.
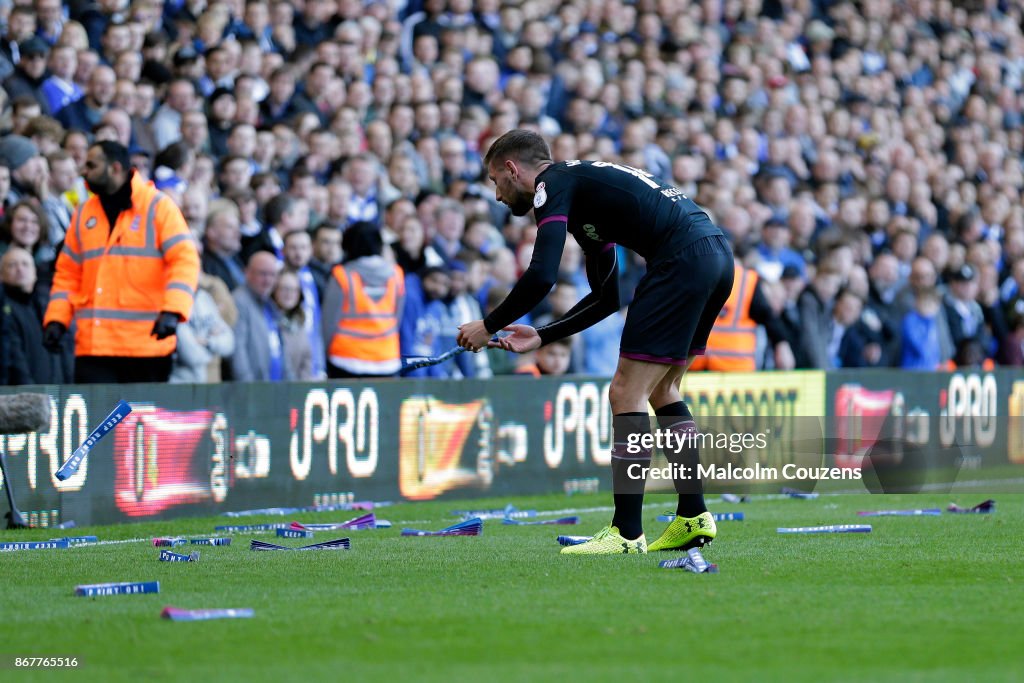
x=521, y=204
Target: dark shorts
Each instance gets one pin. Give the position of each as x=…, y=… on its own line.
x=677, y=303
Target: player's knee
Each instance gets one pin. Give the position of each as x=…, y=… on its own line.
x=619, y=393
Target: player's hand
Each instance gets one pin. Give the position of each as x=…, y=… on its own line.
x=522, y=340
x=473, y=336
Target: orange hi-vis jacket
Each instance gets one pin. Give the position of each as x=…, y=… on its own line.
x=365, y=339
x=732, y=346
x=114, y=283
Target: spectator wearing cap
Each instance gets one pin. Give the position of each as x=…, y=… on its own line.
x=166, y=123
x=966, y=318
x=85, y=113
x=27, y=167
x=59, y=87
x=30, y=73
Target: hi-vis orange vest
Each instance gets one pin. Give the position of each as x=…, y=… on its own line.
x=114, y=283
x=732, y=346
x=365, y=340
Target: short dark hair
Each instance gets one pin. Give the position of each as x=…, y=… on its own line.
x=361, y=239
x=323, y=226
x=174, y=155
x=277, y=207
x=520, y=144
x=299, y=172
x=114, y=152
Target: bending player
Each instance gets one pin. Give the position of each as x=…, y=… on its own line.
x=689, y=278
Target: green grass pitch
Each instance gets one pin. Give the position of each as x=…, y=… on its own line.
x=918, y=599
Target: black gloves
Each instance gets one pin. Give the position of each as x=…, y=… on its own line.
x=52, y=334
x=166, y=324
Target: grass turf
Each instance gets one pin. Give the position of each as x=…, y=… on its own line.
x=927, y=598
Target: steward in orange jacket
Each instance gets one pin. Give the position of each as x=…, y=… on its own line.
x=126, y=276
x=732, y=345
x=362, y=308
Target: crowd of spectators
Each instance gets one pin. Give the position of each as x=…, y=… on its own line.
x=863, y=156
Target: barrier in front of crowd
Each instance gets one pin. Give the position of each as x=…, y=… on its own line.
x=188, y=450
